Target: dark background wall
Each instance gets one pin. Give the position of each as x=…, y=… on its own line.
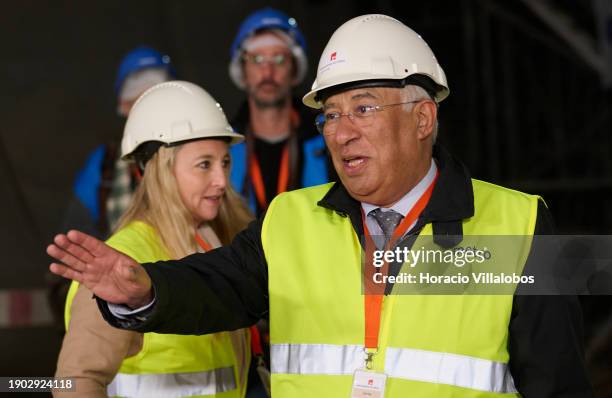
x=525, y=109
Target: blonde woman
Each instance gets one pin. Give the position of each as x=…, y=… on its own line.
x=180, y=137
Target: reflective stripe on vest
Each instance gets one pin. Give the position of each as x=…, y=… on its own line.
x=172, y=385
x=404, y=363
x=325, y=359
x=447, y=368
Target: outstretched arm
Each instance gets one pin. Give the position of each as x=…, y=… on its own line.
x=224, y=289
x=109, y=274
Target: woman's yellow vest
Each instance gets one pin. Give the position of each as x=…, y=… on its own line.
x=429, y=345
x=169, y=365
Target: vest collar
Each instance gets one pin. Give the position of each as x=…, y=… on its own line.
x=452, y=201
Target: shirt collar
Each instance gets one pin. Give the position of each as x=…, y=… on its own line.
x=407, y=201
x=452, y=199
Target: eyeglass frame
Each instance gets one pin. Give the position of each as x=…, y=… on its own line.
x=351, y=116
x=275, y=60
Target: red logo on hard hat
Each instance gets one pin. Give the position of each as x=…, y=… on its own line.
x=370, y=382
x=333, y=56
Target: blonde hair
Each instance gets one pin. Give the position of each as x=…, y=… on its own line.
x=158, y=203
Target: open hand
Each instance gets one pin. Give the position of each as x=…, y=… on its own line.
x=109, y=274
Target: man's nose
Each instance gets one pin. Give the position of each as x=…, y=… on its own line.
x=267, y=69
x=346, y=130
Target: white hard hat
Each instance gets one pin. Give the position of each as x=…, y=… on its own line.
x=376, y=50
x=173, y=112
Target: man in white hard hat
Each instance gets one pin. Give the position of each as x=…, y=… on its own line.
x=379, y=86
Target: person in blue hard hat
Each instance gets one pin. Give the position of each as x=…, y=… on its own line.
x=141, y=68
x=282, y=150
x=104, y=185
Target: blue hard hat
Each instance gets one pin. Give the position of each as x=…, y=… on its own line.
x=265, y=19
x=142, y=58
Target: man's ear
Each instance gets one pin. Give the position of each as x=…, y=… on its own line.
x=426, y=113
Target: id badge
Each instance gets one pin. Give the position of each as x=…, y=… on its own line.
x=368, y=384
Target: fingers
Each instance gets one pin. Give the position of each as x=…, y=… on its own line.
x=89, y=243
x=66, y=272
x=74, y=248
x=69, y=253
x=66, y=258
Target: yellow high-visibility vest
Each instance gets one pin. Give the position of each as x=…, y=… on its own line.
x=175, y=365
x=429, y=345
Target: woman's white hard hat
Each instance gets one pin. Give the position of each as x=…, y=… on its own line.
x=174, y=112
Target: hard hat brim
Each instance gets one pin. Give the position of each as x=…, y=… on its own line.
x=316, y=98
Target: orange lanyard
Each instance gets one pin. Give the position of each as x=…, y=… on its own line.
x=257, y=179
x=374, y=292
x=203, y=244
x=256, y=346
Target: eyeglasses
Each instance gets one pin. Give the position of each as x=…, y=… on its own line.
x=361, y=116
x=258, y=59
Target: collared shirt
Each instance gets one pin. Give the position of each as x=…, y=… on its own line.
x=403, y=205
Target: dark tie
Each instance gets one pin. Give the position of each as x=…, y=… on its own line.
x=388, y=221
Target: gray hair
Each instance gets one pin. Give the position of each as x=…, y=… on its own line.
x=417, y=93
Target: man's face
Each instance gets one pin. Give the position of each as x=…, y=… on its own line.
x=269, y=74
x=380, y=162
